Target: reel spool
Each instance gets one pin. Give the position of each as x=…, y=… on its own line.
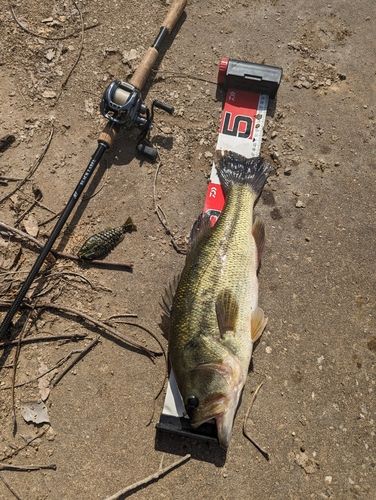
x=122, y=105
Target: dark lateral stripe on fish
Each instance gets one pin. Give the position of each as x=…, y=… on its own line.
x=233, y=169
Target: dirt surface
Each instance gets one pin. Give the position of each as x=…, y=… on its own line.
x=316, y=412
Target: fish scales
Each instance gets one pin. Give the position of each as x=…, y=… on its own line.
x=216, y=302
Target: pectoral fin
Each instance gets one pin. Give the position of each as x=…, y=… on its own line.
x=258, y=323
x=227, y=310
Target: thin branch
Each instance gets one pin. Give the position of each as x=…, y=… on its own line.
x=119, y=316
x=160, y=213
x=9, y=179
x=150, y=479
x=166, y=364
x=27, y=468
x=45, y=338
x=62, y=274
x=70, y=310
x=17, y=450
x=33, y=169
x=264, y=453
x=49, y=370
x=172, y=74
x=7, y=485
x=64, y=84
x=83, y=353
x=45, y=37
x=61, y=255
x=15, y=364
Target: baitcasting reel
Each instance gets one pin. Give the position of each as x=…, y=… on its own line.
x=123, y=106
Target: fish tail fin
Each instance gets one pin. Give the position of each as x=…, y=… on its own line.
x=235, y=169
x=129, y=226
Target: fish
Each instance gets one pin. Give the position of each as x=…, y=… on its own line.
x=99, y=245
x=212, y=317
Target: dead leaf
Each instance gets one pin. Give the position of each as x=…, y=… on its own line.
x=10, y=254
x=35, y=412
x=31, y=225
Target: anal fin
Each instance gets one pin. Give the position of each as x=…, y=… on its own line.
x=258, y=323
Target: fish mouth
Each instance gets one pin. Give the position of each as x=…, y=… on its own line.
x=221, y=409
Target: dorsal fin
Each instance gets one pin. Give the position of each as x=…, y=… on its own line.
x=227, y=310
x=166, y=305
x=201, y=229
x=258, y=232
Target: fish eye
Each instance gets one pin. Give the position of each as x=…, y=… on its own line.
x=192, y=404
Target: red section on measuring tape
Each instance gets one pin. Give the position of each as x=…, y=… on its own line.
x=214, y=202
x=239, y=114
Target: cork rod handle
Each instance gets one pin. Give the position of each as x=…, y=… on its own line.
x=173, y=15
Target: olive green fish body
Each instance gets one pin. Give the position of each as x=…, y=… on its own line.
x=216, y=302
x=99, y=245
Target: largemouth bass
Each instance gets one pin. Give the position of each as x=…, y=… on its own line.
x=214, y=318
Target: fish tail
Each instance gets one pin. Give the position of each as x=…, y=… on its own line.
x=129, y=226
x=235, y=169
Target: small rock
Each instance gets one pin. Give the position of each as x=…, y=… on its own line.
x=89, y=106
x=268, y=349
x=306, y=85
x=129, y=55
x=306, y=463
x=208, y=154
x=50, y=434
x=328, y=479
x=274, y=134
x=299, y=204
x=48, y=20
x=49, y=94
x=50, y=54
x=287, y=171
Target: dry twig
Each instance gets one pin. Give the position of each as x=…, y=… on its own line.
x=152, y=478
x=264, y=453
x=49, y=370
x=64, y=84
x=15, y=364
x=70, y=310
x=160, y=213
x=27, y=468
x=7, y=485
x=45, y=338
x=15, y=452
x=46, y=37
x=33, y=169
x=83, y=353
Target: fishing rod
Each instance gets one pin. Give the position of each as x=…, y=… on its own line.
x=122, y=105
